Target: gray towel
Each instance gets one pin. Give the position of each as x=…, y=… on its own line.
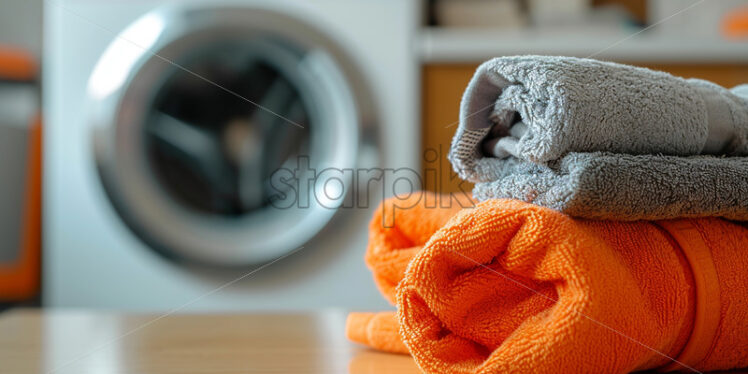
x=623, y=187
x=531, y=128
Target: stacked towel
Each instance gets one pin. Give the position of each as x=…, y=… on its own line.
x=412, y=229
x=603, y=140
x=509, y=286
x=514, y=287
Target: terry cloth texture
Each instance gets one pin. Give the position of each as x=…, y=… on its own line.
x=603, y=185
x=524, y=121
x=513, y=287
x=406, y=224
x=397, y=233
x=581, y=105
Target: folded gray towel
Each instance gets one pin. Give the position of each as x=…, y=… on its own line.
x=623, y=187
x=525, y=120
x=581, y=105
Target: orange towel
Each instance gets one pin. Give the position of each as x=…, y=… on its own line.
x=400, y=227
x=513, y=287
x=398, y=230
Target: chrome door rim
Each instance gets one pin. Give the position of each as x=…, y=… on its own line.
x=117, y=113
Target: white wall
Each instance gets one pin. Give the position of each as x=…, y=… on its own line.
x=21, y=24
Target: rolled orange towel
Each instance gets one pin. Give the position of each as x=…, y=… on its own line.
x=377, y=330
x=513, y=287
x=400, y=227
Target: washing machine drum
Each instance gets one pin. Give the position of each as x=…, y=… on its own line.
x=212, y=125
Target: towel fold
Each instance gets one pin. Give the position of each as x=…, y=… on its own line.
x=513, y=287
x=377, y=330
x=407, y=230
x=581, y=105
x=602, y=185
x=533, y=127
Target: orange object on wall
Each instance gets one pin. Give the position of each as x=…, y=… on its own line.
x=20, y=281
x=17, y=64
x=735, y=24
x=20, y=277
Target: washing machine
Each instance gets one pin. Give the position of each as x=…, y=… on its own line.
x=223, y=155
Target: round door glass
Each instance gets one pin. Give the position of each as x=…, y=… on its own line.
x=188, y=141
x=215, y=149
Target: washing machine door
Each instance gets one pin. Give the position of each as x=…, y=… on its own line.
x=211, y=126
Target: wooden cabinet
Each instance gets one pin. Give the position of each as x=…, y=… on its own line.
x=443, y=84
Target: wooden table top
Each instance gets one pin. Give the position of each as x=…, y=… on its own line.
x=81, y=342
x=33, y=341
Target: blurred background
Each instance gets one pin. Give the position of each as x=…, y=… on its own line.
x=140, y=141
